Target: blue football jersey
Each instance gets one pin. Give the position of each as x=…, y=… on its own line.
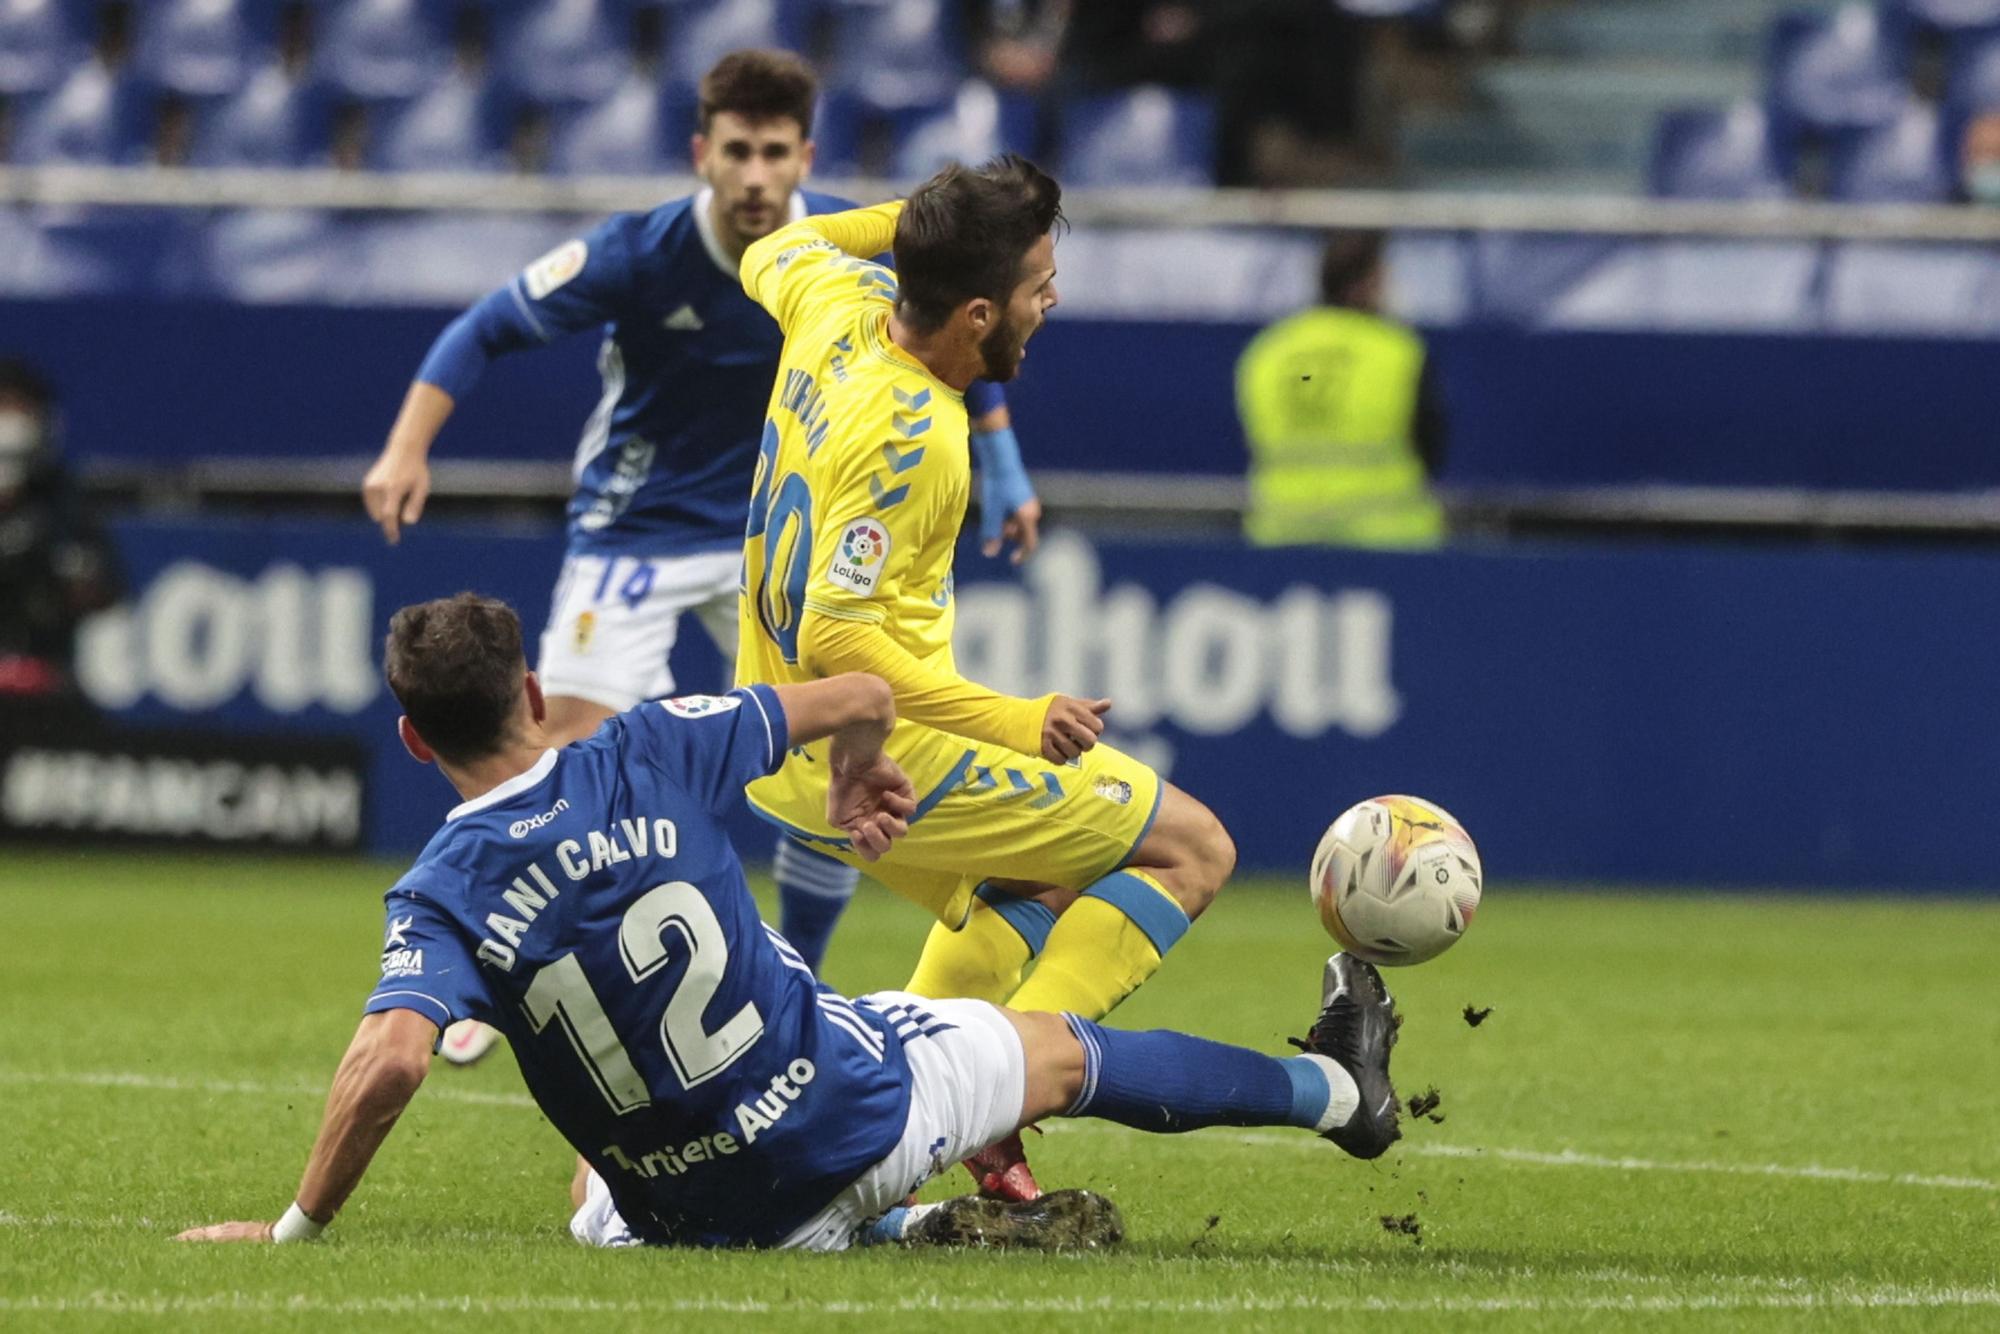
x=594, y=911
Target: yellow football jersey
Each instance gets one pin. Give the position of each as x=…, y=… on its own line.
x=861, y=488
x=863, y=474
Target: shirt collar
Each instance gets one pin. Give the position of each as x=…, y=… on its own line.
x=513, y=787
x=704, y=225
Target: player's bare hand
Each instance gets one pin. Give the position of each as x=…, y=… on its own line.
x=395, y=490
x=1072, y=726
x=1023, y=528
x=230, y=1232
x=871, y=804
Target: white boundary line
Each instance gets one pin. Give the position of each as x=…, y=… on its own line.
x=1293, y=1141
x=1877, y=1298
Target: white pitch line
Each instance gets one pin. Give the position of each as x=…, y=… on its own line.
x=115, y=1303
x=1297, y=1142
x=1291, y=1140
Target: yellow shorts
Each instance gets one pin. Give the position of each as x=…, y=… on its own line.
x=984, y=812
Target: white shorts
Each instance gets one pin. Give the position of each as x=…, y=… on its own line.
x=967, y=1087
x=613, y=620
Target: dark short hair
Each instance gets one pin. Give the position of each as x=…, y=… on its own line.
x=964, y=233
x=21, y=380
x=455, y=665
x=1349, y=258
x=760, y=85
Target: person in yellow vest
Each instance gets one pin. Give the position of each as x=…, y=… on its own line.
x=1341, y=417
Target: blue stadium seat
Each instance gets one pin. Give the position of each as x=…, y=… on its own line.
x=383, y=48
x=839, y=124
x=641, y=129
x=1838, y=70
x=1946, y=16
x=1973, y=83
x=701, y=32
x=896, y=55
x=563, y=51
x=1145, y=136
x=973, y=126
x=1392, y=9
x=40, y=42
x=461, y=124
x=1906, y=161
x=203, y=48
x=94, y=117
x=1717, y=153
x=273, y=120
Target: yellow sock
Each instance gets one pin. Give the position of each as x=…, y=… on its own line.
x=982, y=959
x=1107, y=943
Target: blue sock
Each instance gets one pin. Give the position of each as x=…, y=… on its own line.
x=1169, y=1082
x=813, y=890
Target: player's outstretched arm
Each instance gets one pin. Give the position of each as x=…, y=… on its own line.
x=869, y=798
x=383, y=1068
x=1056, y=727
x=399, y=483
x=777, y=270
x=1009, y=511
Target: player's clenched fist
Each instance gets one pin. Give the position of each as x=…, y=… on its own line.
x=1072, y=726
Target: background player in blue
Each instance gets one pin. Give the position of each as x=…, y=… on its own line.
x=588, y=902
x=664, y=466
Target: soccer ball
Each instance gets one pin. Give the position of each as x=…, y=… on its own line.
x=1396, y=880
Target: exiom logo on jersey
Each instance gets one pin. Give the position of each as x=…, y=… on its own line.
x=523, y=828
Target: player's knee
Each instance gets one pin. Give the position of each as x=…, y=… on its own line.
x=1209, y=860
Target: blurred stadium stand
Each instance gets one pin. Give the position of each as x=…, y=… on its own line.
x=445, y=140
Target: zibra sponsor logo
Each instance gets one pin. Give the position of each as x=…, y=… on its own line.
x=199, y=637
x=1207, y=659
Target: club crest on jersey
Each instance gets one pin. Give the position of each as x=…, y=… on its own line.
x=859, y=557
x=1114, y=790
x=554, y=269
x=694, y=706
x=586, y=626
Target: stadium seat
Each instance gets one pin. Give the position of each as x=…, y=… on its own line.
x=701, y=32
x=1838, y=70
x=560, y=52
x=203, y=48
x=94, y=116
x=1145, y=136
x=1906, y=161
x=641, y=129
x=1973, y=83
x=1393, y=9
x=1716, y=153
x=974, y=125
x=462, y=124
x=40, y=42
x=1946, y=16
x=373, y=49
x=272, y=121
x=897, y=55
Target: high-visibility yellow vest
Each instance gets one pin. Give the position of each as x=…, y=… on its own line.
x=1328, y=399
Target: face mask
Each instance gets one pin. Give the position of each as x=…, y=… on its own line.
x=1983, y=183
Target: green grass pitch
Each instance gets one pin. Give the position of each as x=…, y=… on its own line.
x=1684, y=1112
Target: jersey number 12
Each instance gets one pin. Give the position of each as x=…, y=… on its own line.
x=563, y=993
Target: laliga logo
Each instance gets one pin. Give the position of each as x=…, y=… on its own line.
x=198, y=637
x=1209, y=660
